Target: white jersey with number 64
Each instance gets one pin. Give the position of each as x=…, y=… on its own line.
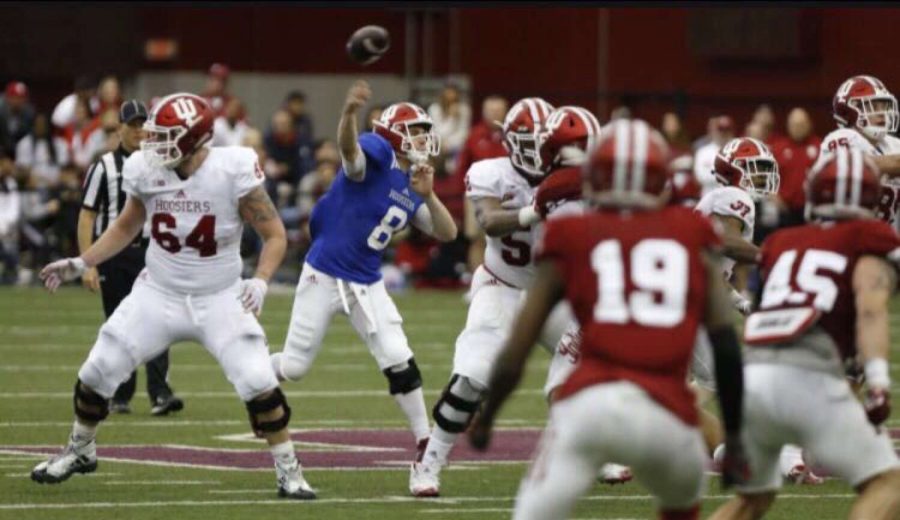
x=195, y=227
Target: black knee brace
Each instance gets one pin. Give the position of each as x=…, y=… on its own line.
x=406, y=380
x=463, y=406
x=268, y=404
x=89, y=399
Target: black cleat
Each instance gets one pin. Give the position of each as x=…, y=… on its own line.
x=165, y=404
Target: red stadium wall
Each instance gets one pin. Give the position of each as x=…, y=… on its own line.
x=647, y=60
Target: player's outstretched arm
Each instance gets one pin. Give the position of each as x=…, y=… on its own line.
x=888, y=164
x=496, y=221
x=256, y=209
x=543, y=295
x=729, y=370
x=348, y=131
x=733, y=244
x=432, y=217
x=874, y=281
x=116, y=237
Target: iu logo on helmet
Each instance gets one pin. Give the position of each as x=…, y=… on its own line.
x=186, y=110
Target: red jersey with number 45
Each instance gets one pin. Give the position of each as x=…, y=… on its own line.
x=637, y=285
x=808, y=279
x=195, y=227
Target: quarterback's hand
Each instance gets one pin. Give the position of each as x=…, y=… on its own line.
x=480, y=435
x=91, y=279
x=560, y=186
x=878, y=404
x=358, y=95
x=422, y=179
x=735, y=468
x=67, y=269
x=253, y=292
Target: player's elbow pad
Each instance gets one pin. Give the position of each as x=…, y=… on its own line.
x=729, y=375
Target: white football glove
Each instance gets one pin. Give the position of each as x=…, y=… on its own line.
x=253, y=292
x=67, y=269
x=743, y=305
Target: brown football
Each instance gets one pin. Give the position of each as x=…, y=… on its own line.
x=368, y=44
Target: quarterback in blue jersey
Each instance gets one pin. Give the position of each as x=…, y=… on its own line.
x=384, y=184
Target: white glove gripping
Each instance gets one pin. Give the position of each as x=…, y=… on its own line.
x=528, y=216
x=65, y=270
x=743, y=305
x=253, y=292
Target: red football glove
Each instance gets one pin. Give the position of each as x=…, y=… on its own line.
x=560, y=186
x=735, y=468
x=878, y=405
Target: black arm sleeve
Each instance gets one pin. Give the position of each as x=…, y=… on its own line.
x=729, y=376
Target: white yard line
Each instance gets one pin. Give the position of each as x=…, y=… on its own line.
x=351, y=424
x=232, y=395
x=163, y=483
x=375, y=500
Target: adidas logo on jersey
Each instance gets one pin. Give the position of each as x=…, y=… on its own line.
x=406, y=191
x=180, y=194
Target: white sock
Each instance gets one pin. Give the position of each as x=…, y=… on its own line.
x=283, y=453
x=790, y=456
x=82, y=434
x=439, y=446
x=413, y=405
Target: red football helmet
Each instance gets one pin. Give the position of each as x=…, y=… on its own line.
x=569, y=133
x=394, y=125
x=860, y=101
x=844, y=185
x=747, y=164
x=628, y=167
x=178, y=125
x=521, y=130
x=686, y=191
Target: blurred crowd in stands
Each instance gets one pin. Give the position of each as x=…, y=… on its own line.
x=44, y=155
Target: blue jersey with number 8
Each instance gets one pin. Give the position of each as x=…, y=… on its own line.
x=353, y=222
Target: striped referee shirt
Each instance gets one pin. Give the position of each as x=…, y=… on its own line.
x=103, y=191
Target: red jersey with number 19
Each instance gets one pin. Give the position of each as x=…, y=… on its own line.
x=195, y=227
x=812, y=266
x=637, y=285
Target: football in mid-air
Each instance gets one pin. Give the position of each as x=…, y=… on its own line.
x=368, y=44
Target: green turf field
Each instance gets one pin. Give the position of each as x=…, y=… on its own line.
x=43, y=340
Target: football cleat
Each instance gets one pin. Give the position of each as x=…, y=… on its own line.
x=165, y=404
x=799, y=474
x=613, y=474
x=72, y=459
x=424, y=480
x=291, y=483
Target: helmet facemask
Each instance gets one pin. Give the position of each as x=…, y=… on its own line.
x=524, y=152
x=419, y=147
x=759, y=176
x=882, y=107
x=160, y=146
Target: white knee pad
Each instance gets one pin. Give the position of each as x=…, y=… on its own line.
x=108, y=365
x=288, y=367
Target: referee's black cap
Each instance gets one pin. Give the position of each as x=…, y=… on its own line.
x=132, y=109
